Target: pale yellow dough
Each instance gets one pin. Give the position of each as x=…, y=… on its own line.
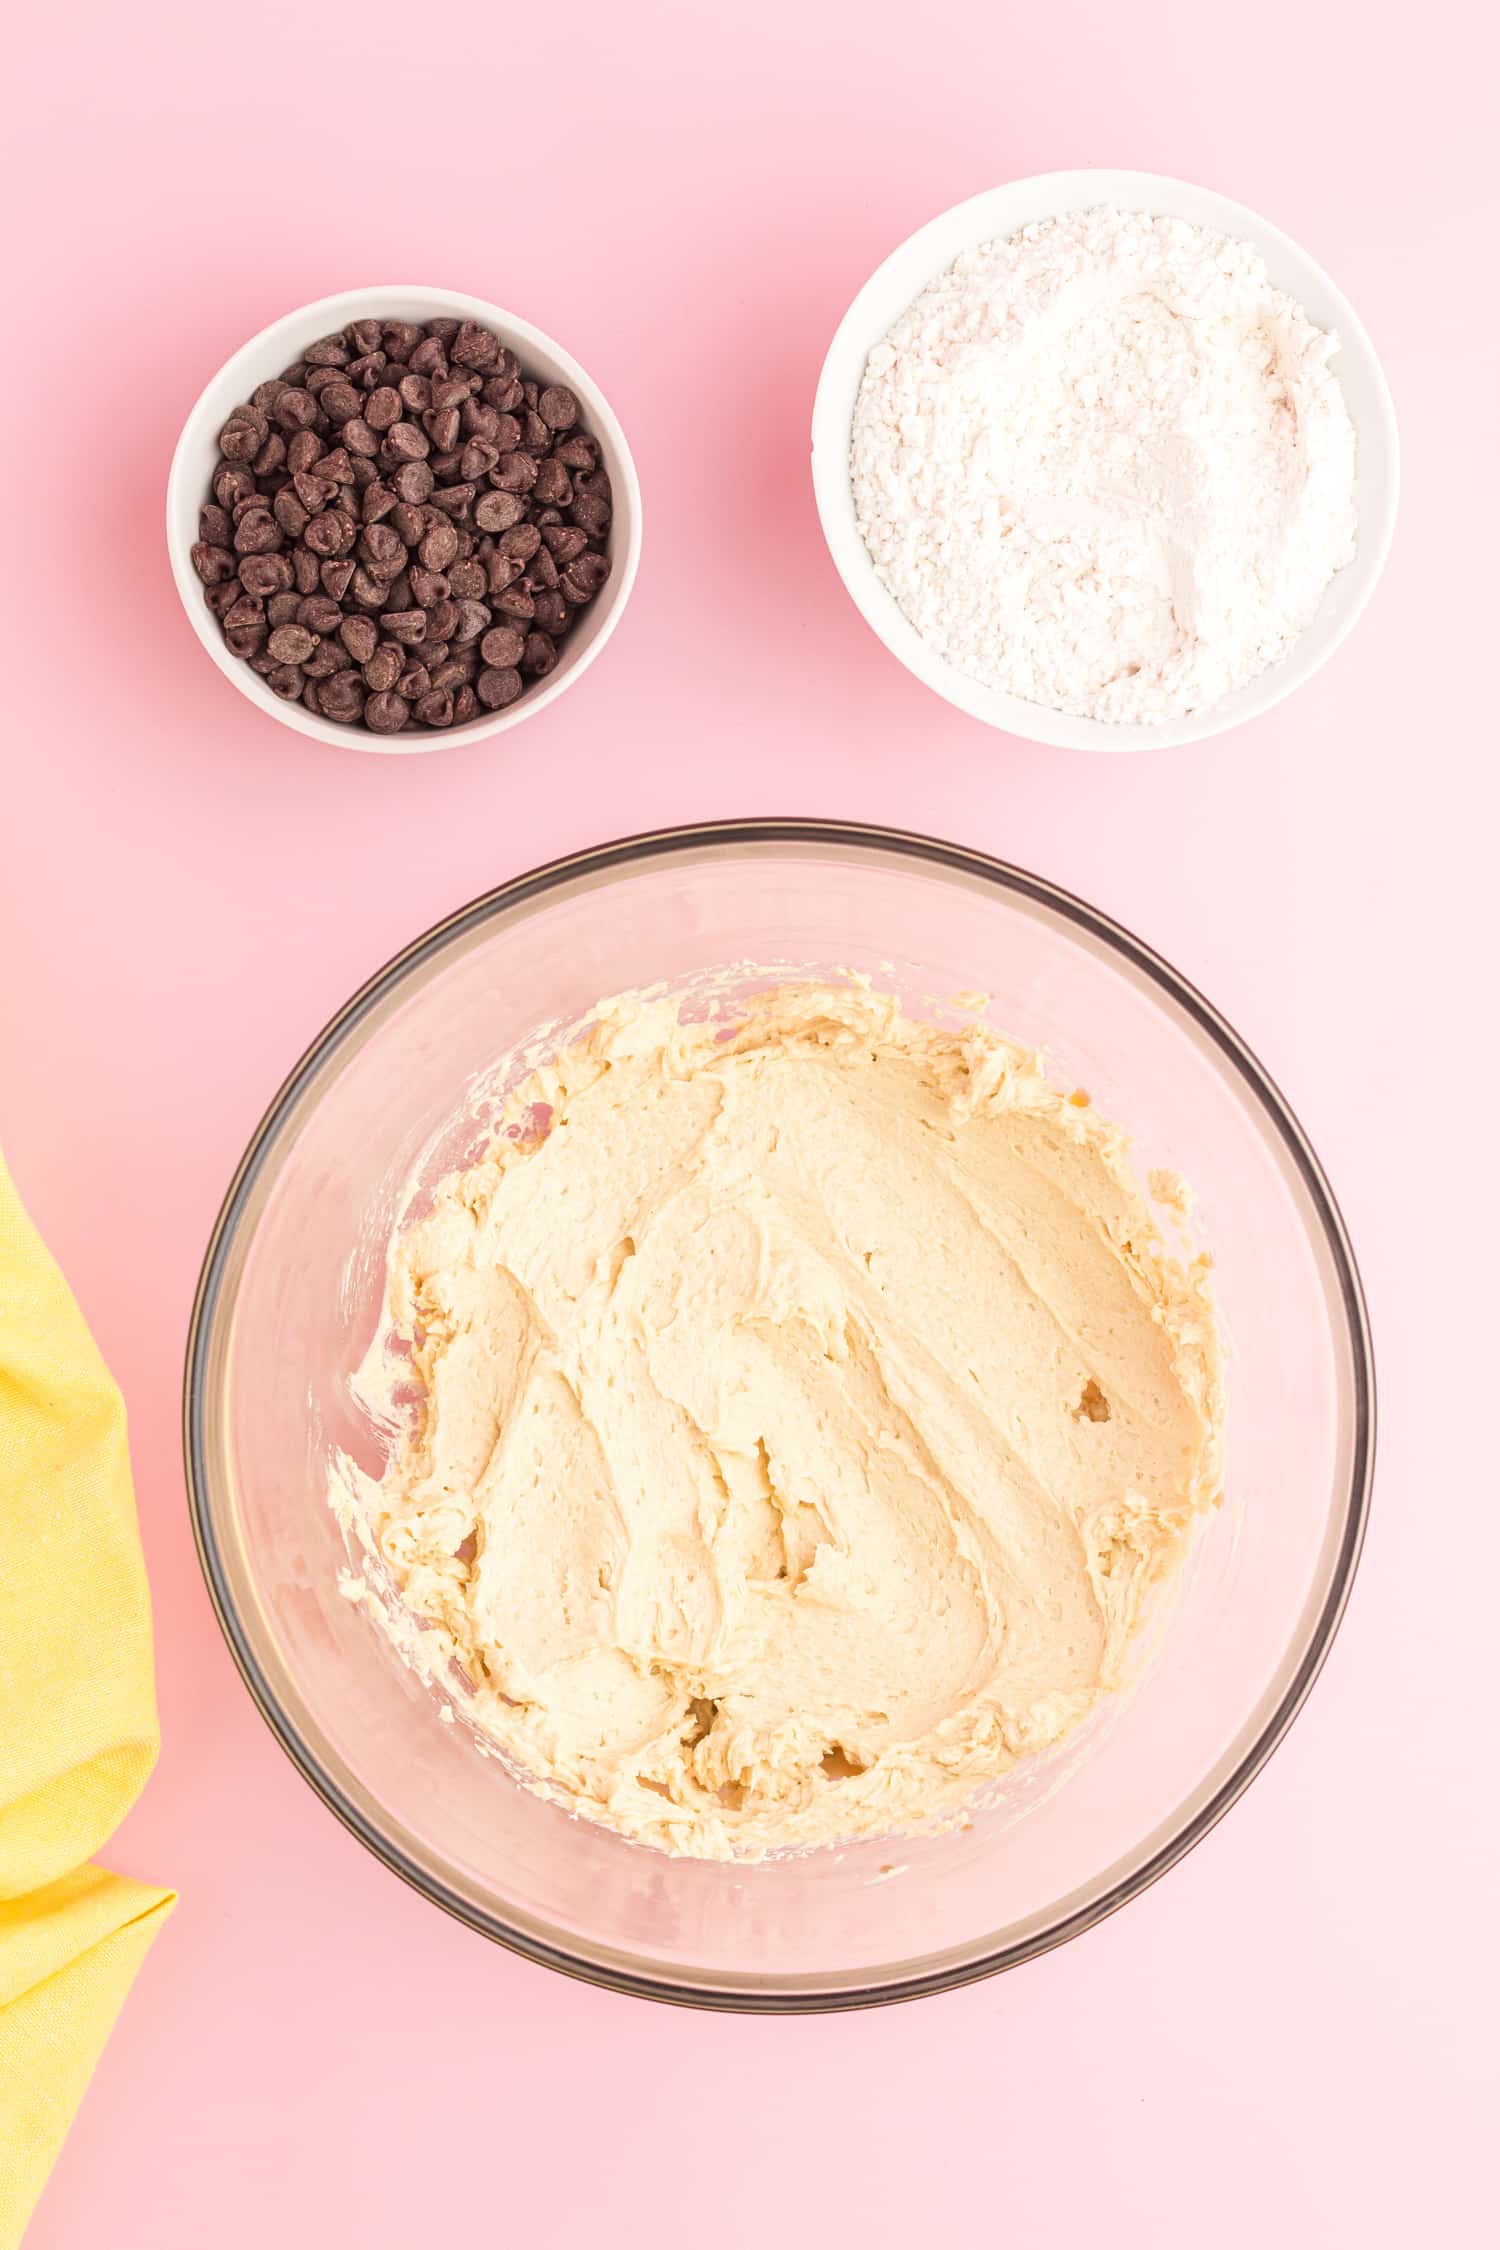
x=810, y=1412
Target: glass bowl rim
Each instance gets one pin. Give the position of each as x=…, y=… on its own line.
x=801, y=1995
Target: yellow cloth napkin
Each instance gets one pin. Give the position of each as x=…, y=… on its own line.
x=78, y=1731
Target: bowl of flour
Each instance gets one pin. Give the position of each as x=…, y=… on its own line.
x=1106, y=460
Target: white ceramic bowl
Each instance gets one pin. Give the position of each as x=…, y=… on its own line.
x=276, y=347
x=986, y=218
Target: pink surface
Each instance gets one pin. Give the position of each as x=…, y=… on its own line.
x=1292, y=2037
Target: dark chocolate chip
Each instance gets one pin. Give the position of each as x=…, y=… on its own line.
x=386, y=713
x=496, y=686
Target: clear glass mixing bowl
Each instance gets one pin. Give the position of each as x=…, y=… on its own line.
x=290, y=1296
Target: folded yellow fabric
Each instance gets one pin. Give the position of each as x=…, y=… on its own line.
x=78, y=1732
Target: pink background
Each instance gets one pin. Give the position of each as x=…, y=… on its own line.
x=1292, y=2038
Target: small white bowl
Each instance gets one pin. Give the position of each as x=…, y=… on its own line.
x=276, y=347
x=1000, y=212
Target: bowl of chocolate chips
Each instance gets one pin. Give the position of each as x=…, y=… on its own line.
x=401, y=517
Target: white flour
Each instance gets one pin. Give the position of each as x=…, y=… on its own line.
x=1105, y=465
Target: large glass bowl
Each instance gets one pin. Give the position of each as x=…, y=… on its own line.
x=290, y=1296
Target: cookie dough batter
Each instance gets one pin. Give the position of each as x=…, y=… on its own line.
x=810, y=1410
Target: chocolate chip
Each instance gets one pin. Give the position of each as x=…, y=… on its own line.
x=497, y=686
x=576, y=452
x=383, y=408
x=309, y=574
x=521, y=541
x=477, y=459
x=552, y=614
x=497, y=511
x=457, y=500
x=563, y=541
x=244, y=640
x=405, y=442
x=501, y=571
x=290, y=511
x=435, y=708
x=442, y=426
x=584, y=576
x=554, y=486
x=557, y=407
x=257, y=533
x=384, y=668
x=438, y=546
x=414, y=681
x=231, y=485
x=360, y=638
x=320, y=613
x=515, y=601
x=540, y=654
x=400, y=338
x=361, y=441
x=465, y=706
x=381, y=547
x=514, y=472
x=368, y=590
x=329, y=351
x=541, y=573
x=476, y=347
x=241, y=439
x=282, y=607
x=386, y=713
x=405, y=624
x=295, y=409
x=292, y=644
x=480, y=421
x=342, y=696
x=339, y=401
x=473, y=619
x=331, y=533
x=412, y=482
x=502, y=646
x=591, y=515
x=466, y=581
x=284, y=680
x=334, y=576
x=213, y=564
